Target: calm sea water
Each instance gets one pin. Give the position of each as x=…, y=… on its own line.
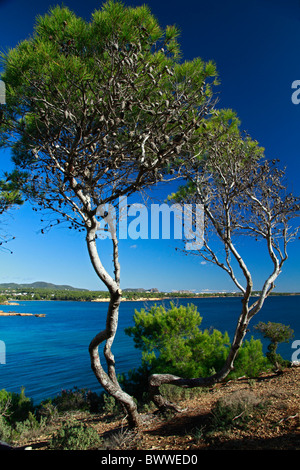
x=48, y=354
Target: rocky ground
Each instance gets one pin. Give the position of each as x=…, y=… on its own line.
x=273, y=421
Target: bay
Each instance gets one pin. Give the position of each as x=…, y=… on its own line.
x=48, y=354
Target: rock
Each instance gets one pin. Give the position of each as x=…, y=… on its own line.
x=16, y=314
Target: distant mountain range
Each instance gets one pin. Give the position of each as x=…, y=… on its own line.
x=38, y=285
x=49, y=285
x=52, y=287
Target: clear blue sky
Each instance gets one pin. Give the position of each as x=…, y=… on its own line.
x=256, y=49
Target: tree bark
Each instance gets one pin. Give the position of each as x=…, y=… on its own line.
x=108, y=379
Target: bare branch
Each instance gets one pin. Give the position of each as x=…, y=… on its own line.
x=241, y=196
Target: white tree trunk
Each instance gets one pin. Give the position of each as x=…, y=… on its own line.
x=108, y=379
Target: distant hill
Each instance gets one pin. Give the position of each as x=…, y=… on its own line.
x=38, y=285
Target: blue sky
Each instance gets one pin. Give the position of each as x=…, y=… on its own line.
x=256, y=49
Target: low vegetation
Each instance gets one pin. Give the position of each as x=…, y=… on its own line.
x=257, y=413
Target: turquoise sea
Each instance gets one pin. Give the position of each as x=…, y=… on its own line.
x=48, y=354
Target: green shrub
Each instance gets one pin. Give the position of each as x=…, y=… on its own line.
x=110, y=405
x=276, y=333
x=172, y=342
x=47, y=412
x=71, y=400
x=5, y=430
x=17, y=415
x=72, y=436
x=250, y=360
x=28, y=428
x=76, y=399
x=18, y=406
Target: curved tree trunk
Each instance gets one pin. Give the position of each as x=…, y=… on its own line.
x=108, y=379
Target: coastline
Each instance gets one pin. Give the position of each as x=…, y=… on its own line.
x=204, y=296
x=16, y=314
x=138, y=299
x=147, y=299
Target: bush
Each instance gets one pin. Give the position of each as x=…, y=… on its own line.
x=47, y=412
x=5, y=430
x=73, y=436
x=18, y=406
x=28, y=428
x=17, y=415
x=250, y=360
x=276, y=333
x=76, y=399
x=110, y=405
x=235, y=409
x=71, y=400
x=172, y=342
